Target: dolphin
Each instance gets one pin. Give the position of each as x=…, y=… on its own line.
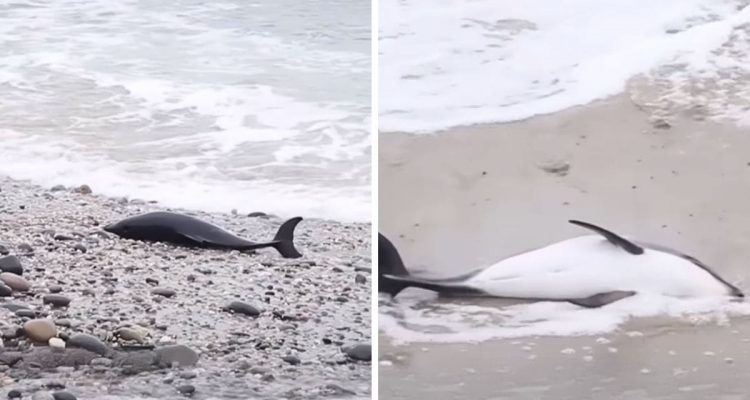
x=589, y=271
x=187, y=231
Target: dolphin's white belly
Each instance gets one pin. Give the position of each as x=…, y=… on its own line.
x=588, y=265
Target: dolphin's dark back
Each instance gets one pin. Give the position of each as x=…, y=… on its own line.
x=181, y=229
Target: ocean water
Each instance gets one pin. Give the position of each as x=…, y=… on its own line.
x=213, y=105
x=453, y=63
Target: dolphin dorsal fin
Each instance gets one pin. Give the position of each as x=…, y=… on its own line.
x=613, y=238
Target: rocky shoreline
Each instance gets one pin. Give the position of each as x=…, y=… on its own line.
x=94, y=316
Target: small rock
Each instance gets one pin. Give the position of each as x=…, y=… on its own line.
x=557, y=168
x=42, y=396
x=26, y=248
x=186, y=390
x=56, y=343
x=359, y=352
x=57, y=188
x=5, y=291
x=88, y=342
x=80, y=247
x=179, y=354
x=188, y=374
x=361, y=279
x=64, y=396
x=11, y=264
x=14, y=394
x=56, y=300
x=40, y=330
x=163, y=292
x=15, y=282
x=294, y=360
x=26, y=313
x=242, y=308
x=83, y=189
x=54, y=288
x=131, y=334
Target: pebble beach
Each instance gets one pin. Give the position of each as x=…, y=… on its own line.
x=94, y=316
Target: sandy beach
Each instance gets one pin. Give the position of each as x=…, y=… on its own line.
x=312, y=310
x=459, y=199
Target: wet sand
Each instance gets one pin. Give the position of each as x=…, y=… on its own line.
x=460, y=199
x=311, y=308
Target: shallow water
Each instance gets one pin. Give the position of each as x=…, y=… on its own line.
x=258, y=106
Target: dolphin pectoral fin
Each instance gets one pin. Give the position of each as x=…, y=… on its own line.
x=602, y=299
x=613, y=238
x=198, y=240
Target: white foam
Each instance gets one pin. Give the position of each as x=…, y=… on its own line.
x=418, y=317
x=455, y=63
x=251, y=102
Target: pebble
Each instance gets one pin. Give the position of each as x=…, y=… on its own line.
x=361, y=279
x=178, y=354
x=15, y=282
x=131, y=334
x=56, y=343
x=42, y=396
x=186, y=390
x=5, y=291
x=14, y=394
x=11, y=264
x=88, y=342
x=294, y=360
x=359, y=352
x=188, y=374
x=163, y=292
x=54, y=288
x=40, y=330
x=26, y=313
x=56, y=300
x=83, y=189
x=64, y=396
x=242, y=308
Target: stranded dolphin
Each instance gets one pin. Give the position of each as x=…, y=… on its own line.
x=188, y=231
x=590, y=271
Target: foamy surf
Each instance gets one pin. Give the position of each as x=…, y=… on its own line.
x=212, y=106
x=454, y=63
x=418, y=317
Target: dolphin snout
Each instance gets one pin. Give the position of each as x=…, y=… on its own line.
x=109, y=227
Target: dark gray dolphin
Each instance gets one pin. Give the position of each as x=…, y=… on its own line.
x=191, y=232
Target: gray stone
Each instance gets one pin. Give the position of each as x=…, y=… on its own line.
x=359, y=352
x=241, y=307
x=88, y=342
x=56, y=300
x=178, y=354
x=11, y=264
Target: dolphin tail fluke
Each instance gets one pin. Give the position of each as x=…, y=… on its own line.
x=390, y=264
x=283, y=242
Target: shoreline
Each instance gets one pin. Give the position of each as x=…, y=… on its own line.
x=462, y=199
x=312, y=309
